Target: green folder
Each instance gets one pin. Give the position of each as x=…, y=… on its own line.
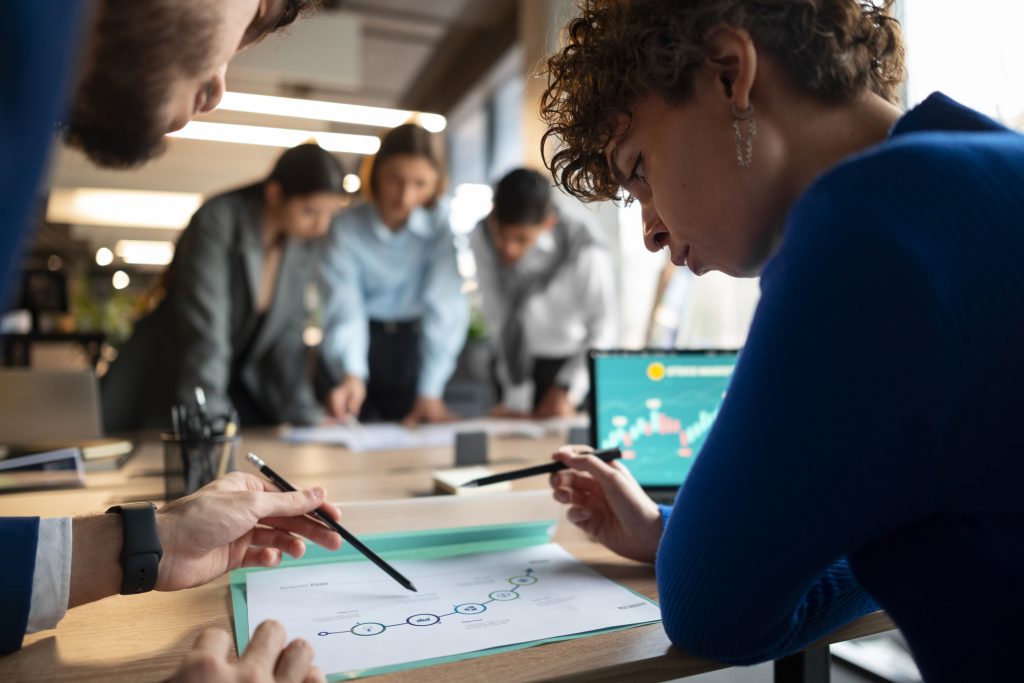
x=415, y=545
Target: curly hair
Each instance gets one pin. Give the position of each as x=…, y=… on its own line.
x=620, y=51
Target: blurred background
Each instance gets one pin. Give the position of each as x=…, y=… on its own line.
x=467, y=69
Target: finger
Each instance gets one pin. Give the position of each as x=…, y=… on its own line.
x=307, y=528
x=294, y=662
x=608, y=477
x=265, y=645
x=282, y=540
x=580, y=516
x=213, y=641
x=315, y=675
x=261, y=557
x=289, y=504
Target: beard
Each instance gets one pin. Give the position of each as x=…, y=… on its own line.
x=139, y=50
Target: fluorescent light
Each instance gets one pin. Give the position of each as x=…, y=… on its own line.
x=121, y=208
x=329, y=111
x=104, y=257
x=277, y=137
x=120, y=280
x=145, y=252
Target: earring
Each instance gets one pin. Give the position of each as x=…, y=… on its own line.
x=744, y=145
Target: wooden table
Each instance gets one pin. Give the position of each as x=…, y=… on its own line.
x=143, y=638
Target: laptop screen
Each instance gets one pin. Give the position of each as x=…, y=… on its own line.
x=658, y=407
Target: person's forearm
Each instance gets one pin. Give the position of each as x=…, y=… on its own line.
x=95, y=558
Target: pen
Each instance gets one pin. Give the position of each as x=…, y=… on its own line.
x=606, y=455
x=273, y=476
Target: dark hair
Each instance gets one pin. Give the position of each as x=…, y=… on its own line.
x=137, y=52
x=522, y=197
x=619, y=51
x=408, y=139
x=307, y=169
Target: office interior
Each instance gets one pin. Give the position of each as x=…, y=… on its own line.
x=467, y=71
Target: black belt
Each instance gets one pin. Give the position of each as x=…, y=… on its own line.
x=395, y=326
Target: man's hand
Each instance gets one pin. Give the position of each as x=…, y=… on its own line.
x=239, y=520
x=347, y=398
x=427, y=409
x=266, y=660
x=606, y=502
x=554, y=403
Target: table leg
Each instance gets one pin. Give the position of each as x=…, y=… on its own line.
x=809, y=666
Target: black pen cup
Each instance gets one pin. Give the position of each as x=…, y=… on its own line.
x=192, y=463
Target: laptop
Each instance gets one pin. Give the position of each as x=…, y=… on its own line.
x=658, y=406
x=48, y=410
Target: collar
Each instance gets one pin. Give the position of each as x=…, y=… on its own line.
x=419, y=223
x=938, y=112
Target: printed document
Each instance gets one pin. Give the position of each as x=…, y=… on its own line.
x=358, y=618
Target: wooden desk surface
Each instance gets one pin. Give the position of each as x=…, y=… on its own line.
x=143, y=638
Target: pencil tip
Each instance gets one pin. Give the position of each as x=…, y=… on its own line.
x=412, y=587
x=471, y=484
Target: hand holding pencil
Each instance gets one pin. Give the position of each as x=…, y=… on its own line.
x=606, y=502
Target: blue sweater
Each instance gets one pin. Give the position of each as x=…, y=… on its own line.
x=867, y=449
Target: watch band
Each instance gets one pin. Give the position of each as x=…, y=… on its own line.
x=141, y=550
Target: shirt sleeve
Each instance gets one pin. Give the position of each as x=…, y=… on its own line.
x=51, y=580
x=596, y=287
x=445, y=314
x=202, y=295
x=823, y=445
x=346, y=340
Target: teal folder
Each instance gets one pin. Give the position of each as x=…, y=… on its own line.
x=416, y=545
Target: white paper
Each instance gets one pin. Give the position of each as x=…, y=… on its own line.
x=392, y=436
x=357, y=617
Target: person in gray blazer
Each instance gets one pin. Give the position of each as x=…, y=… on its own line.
x=232, y=314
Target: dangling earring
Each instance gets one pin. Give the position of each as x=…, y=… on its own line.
x=744, y=146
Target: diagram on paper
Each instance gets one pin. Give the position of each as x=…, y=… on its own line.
x=372, y=628
x=357, y=618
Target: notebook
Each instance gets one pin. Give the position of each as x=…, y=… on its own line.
x=658, y=406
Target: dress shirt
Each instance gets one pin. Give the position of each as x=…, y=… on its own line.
x=576, y=312
x=51, y=579
x=371, y=272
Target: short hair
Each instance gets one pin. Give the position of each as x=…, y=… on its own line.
x=307, y=169
x=619, y=51
x=408, y=139
x=522, y=197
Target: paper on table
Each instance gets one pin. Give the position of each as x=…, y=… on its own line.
x=357, y=618
x=392, y=436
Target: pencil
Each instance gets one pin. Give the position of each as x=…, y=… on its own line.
x=273, y=476
x=606, y=455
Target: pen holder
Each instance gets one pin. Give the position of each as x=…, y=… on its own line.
x=190, y=464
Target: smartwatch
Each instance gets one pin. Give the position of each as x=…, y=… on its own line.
x=141, y=550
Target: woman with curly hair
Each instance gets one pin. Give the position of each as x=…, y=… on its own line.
x=866, y=454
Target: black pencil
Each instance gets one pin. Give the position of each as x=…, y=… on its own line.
x=323, y=517
x=607, y=455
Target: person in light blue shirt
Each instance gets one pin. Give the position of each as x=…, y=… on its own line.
x=395, y=316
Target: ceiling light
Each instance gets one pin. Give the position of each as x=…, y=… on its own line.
x=120, y=280
x=121, y=208
x=351, y=183
x=277, y=137
x=104, y=257
x=329, y=111
x=145, y=252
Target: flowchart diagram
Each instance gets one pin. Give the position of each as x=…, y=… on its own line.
x=358, y=619
x=373, y=628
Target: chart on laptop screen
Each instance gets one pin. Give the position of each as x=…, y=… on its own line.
x=658, y=408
